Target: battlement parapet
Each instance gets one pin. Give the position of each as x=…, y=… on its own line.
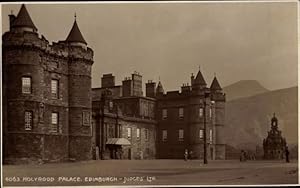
x=59, y=49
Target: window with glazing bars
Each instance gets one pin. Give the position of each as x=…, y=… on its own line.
x=54, y=89
x=28, y=120
x=26, y=84
x=54, y=122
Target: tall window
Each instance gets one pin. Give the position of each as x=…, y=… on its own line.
x=54, y=89
x=28, y=120
x=146, y=134
x=129, y=133
x=201, y=133
x=210, y=112
x=210, y=136
x=200, y=112
x=164, y=135
x=26, y=84
x=111, y=105
x=181, y=135
x=138, y=133
x=54, y=122
x=164, y=113
x=181, y=113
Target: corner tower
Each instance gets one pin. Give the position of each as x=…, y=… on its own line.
x=79, y=88
x=46, y=95
x=217, y=98
x=23, y=94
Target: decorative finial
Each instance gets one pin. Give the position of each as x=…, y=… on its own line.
x=11, y=12
x=199, y=67
x=274, y=114
x=75, y=16
x=215, y=74
x=158, y=78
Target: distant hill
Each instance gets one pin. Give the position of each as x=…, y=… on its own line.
x=243, y=88
x=248, y=119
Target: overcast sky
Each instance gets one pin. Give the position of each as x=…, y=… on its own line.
x=237, y=41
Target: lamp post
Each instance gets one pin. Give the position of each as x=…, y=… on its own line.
x=102, y=104
x=206, y=95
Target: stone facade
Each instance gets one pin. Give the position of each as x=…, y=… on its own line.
x=63, y=67
x=51, y=113
x=125, y=109
x=117, y=116
x=181, y=117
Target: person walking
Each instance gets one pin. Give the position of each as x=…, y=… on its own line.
x=287, y=153
x=186, y=155
x=242, y=156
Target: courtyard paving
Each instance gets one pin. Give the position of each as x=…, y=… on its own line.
x=152, y=172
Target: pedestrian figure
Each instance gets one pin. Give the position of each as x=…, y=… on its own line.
x=287, y=154
x=242, y=156
x=121, y=154
x=185, y=154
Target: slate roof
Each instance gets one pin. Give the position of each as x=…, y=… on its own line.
x=199, y=79
x=23, y=19
x=75, y=34
x=215, y=84
x=159, y=88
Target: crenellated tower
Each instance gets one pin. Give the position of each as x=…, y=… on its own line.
x=198, y=114
x=46, y=94
x=217, y=98
x=80, y=60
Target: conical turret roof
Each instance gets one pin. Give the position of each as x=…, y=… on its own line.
x=215, y=84
x=23, y=19
x=159, y=88
x=75, y=34
x=199, y=79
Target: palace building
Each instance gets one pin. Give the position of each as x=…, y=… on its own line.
x=51, y=113
x=184, y=116
x=47, y=103
x=124, y=123
x=159, y=124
